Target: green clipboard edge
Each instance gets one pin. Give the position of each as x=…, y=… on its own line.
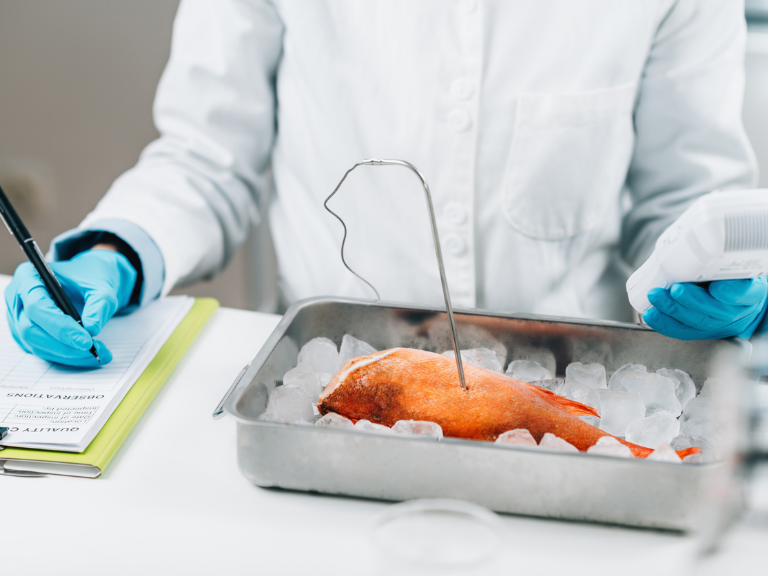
x=105, y=444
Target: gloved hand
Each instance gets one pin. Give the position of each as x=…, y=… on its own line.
x=726, y=308
x=99, y=283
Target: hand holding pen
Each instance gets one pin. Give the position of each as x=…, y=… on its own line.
x=42, y=316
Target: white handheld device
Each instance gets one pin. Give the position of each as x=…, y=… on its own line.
x=722, y=236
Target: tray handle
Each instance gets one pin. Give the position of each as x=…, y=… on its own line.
x=219, y=412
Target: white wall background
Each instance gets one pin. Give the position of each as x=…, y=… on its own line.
x=77, y=80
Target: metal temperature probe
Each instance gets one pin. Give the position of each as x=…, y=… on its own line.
x=435, y=237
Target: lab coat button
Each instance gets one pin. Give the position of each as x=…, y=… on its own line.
x=459, y=120
x=454, y=244
x=462, y=89
x=454, y=214
x=468, y=6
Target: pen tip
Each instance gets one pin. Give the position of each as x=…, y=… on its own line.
x=97, y=358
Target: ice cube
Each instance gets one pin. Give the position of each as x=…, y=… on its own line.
x=418, y=428
x=615, y=382
x=333, y=420
x=656, y=429
x=351, y=347
x=291, y=404
x=552, y=442
x=708, y=389
x=591, y=420
x=483, y=357
x=685, y=441
x=608, y=441
x=541, y=355
x=657, y=391
x=580, y=393
x=518, y=437
x=528, y=371
x=321, y=354
x=685, y=389
x=704, y=427
x=368, y=426
x=270, y=417
x=553, y=384
x=304, y=377
x=592, y=375
x=618, y=409
x=607, y=446
x=664, y=453
x=700, y=407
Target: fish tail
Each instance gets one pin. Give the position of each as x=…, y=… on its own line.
x=688, y=451
x=643, y=452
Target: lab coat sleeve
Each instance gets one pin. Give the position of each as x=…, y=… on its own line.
x=68, y=244
x=689, y=134
x=195, y=190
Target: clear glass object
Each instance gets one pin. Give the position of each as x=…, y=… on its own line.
x=436, y=536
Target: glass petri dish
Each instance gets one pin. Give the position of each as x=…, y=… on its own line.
x=436, y=536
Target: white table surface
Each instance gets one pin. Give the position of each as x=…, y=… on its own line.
x=174, y=502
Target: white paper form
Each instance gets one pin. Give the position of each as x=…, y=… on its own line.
x=50, y=406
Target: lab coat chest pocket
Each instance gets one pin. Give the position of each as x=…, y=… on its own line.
x=568, y=159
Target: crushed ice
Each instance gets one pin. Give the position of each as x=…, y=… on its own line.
x=618, y=409
x=653, y=430
x=609, y=446
x=517, y=437
x=333, y=420
x=483, y=357
x=320, y=354
x=552, y=442
x=541, y=356
x=528, y=371
x=289, y=404
x=591, y=375
x=664, y=453
x=418, y=428
x=659, y=410
x=368, y=426
x=351, y=347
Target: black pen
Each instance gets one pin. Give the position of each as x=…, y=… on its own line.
x=29, y=246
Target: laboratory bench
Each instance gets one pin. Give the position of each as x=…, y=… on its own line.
x=174, y=502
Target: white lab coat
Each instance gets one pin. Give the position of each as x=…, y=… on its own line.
x=556, y=135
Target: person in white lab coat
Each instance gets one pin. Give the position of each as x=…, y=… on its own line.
x=559, y=139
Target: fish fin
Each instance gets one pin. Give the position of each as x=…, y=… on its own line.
x=571, y=406
x=688, y=451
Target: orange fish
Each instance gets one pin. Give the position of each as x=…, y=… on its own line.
x=407, y=384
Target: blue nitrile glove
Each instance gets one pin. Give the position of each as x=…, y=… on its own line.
x=99, y=283
x=726, y=308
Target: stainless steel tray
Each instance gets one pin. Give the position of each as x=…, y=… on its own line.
x=513, y=480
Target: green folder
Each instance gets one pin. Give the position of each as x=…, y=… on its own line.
x=97, y=456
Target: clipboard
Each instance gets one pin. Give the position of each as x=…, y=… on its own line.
x=96, y=457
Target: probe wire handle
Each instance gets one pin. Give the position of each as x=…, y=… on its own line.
x=435, y=238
